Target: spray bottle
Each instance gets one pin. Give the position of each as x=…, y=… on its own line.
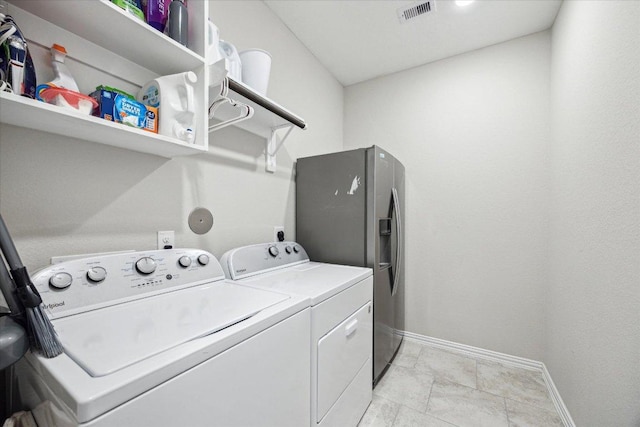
x=63, y=77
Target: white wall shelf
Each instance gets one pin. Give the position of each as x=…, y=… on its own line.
x=115, y=47
x=267, y=119
x=106, y=25
x=24, y=112
x=136, y=52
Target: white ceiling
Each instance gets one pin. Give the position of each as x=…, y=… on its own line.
x=361, y=39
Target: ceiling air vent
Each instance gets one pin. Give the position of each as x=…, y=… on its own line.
x=417, y=9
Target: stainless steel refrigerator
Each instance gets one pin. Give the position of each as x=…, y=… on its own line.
x=350, y=210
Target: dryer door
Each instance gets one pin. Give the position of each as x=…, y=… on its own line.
x=341, y=354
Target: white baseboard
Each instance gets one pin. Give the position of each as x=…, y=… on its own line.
x=505, y=359
x=562, y=409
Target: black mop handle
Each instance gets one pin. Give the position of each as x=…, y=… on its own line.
x=8, y=248
x=8, y=289
x=25, y=289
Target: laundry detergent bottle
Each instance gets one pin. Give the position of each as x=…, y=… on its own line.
x=173, y=95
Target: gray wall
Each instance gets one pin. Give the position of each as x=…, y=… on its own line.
x=593, y=301
x=61, y=196
x=473, y=134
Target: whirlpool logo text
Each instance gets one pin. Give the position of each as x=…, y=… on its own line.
x=54, y=305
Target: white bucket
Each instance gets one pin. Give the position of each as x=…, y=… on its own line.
x=256, y=67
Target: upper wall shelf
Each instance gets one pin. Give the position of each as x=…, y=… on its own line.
x=104, y=24
x=115, y=46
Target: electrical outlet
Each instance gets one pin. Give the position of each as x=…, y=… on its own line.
x=278, y=229
x=166, y=240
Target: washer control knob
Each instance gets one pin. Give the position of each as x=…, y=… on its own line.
x=296, y=248
x=96, y=274
x=273, y=251
x=184, y=261
x=146, y=265
x=60, y=280
x=287, y=249
x=203, y=259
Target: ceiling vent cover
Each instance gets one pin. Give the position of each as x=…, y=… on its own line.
x=408, y=13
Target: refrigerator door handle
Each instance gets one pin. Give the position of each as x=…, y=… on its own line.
x=396, y=272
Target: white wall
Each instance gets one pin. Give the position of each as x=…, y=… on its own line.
x=593, y=314
x=62, y=196
x=473, y=134
x=523, y=208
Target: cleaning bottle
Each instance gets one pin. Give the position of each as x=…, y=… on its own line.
x=213, y=41
x=174, y=97
x=63, y=77
x=178, y=22
x=156, y=12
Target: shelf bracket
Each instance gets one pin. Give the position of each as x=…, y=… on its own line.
x=273, y=145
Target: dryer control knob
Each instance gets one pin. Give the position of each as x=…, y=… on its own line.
x=203, y=259
x=146, y=265
x=60, y=280
x=96, y=274
x=287, y=249
x=296, y=248
x=273, y=251
x=184, y=261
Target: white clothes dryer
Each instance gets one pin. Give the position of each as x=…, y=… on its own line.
x=341, y=322
x=160, y=338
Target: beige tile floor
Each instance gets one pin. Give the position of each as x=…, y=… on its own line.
x=429, y=387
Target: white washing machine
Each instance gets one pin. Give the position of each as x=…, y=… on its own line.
x=160, y=338
x=341, y=322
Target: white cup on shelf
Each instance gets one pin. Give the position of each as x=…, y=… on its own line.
x=256, y=68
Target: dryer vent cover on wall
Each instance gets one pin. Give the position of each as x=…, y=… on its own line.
x=408, y=13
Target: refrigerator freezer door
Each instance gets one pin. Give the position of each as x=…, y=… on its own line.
x=385, y=178
x=399, y=289
x=381, y=246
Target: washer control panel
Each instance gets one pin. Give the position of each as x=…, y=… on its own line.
x=85, y=284
x=254, y=259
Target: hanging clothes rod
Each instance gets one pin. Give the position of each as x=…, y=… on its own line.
x=266, y=103
x=269, y=120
